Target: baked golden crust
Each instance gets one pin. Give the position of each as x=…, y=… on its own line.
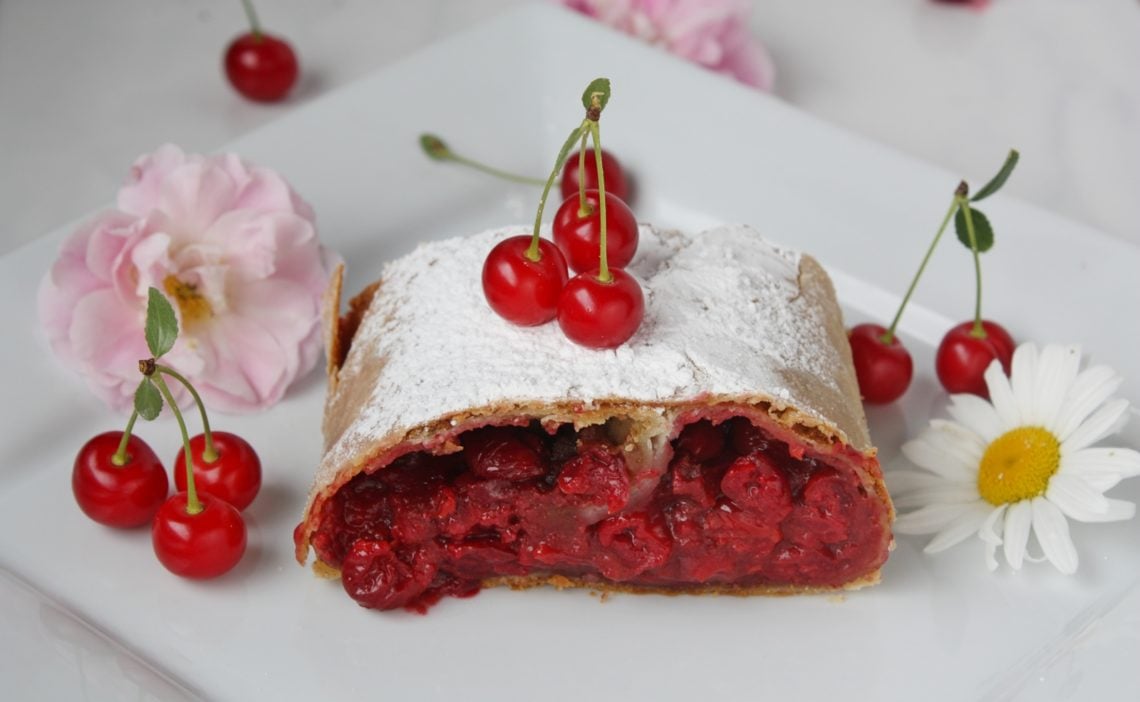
x=834, y=426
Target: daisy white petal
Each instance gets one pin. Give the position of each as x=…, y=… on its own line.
x=975, y=414
x=1001, y=396
x=1056, y=370
x=1023, y=381
x=900, y=482
x=1118, y=511
x=1091, y=388
x=961, y=528
x=1052, y=532
x=945, y=493
x=990, y=538
x=1102, y=423
x=939, y=455
x=1076, y=498
x=931, y=518
x=1015, y=535
x=1102, y=468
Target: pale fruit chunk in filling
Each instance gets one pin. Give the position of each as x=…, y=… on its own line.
x=725, y=505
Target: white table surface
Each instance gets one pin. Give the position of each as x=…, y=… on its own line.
x=87, y=86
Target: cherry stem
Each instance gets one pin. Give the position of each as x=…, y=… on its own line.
x=251, y=14
x=603, y=262
x=193, y=506
x=209, y=453
x=583, y=208
x=440, y=151
x=889, y=336
x=978, y=332
x=532, y=252
x=120, y=457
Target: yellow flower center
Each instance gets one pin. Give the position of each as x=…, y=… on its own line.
x=191, y=304
x=1018, y=464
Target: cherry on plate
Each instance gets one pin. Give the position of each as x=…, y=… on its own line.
x=884, y=370
x=261, y=67
x=579, y=237
x=963, y=358
x=616, y=181
x=202, y=545
x=118, y=496
x=235, y=476
x=601, y=315
x=520, y=290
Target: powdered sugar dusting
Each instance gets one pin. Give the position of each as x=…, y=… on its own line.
x=724, y=316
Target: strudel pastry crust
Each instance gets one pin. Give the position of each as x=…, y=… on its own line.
x=736, y=330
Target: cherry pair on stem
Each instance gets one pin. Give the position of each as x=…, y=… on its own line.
x=119, y=481
x=525, y=278
x=883, y=365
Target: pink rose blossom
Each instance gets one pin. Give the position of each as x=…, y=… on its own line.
x=233, y=248
x=712, y=33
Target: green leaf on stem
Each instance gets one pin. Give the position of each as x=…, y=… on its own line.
x=161, y=324
x=598, y=89
x=434, y=147
x=983, y=232
x=148, y=400
x=998, y=180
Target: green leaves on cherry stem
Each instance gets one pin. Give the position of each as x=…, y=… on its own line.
x=998, y=180
x=161, y=331
x=148, y=400
x=161, y=324
x=983, y=232
x=597, y=95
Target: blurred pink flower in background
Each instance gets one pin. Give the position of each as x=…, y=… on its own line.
x=712, y=33
x=233, y=248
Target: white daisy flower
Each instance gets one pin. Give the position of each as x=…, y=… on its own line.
x=1022, y=462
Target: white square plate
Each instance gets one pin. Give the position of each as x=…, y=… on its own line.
x=89, y=611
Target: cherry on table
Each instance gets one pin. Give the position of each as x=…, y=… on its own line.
x=616, y=181
x=234, y=476
x=601, y=314
x=521, y=290
x=202, y=545
x=579, y=237
x=963, y=358
x=261, y=67
x=883, y=369
x=118, y=496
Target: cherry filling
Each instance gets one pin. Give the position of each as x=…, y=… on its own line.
x=734, y=507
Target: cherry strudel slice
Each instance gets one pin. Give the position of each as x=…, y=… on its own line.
x=722, y=449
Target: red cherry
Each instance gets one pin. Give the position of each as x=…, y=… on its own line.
x=118, y=496
x=235, y=476
x=616, y=183
x=962, y=358
x=261, y=67
x=520, y=290
x=601, y=315
x=580, y=238
x=884, y=370
x=202, y=545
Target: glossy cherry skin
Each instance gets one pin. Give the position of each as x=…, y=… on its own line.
x=118, y=496
x=580, y=238
x=234, y=477
x=202, y=545
x=963, y=358
x=261, y=67
x=520, y=290
x=884, y=370
x=601, y=315
x=616, y=182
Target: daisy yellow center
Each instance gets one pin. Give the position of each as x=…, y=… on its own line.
x=1017, y=465
x=191, y=304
